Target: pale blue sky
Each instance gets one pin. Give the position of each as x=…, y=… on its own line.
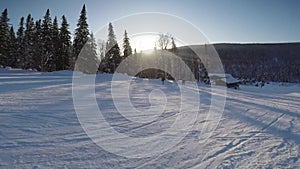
x=252, y=21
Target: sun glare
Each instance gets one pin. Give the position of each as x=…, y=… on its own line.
x=143, y=42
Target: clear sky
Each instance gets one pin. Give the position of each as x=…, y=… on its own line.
x=253, y=21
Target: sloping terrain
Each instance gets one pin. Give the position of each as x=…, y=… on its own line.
x=39, y=128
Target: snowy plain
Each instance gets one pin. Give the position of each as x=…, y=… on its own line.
x=39, y=128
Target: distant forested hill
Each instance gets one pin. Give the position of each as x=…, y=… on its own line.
x=269, y=62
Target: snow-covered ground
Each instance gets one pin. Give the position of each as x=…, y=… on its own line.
x=39, y=128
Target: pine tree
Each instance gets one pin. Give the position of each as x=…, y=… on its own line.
x=28, y=44
x=65, y=45
x=4, y=38
x=57, y=61
x=38, y=57
x=112, y=50
x=88, y=60
x=127, y=51
x=126, y=46
x=46, y=38
x=20, y=46
x=81, y=34
x=11, y=61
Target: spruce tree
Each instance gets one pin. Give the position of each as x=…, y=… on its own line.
x=27, y=62
x=57, y=61
x=127, y=51
x=11, y=61
x=4, y=38
x=81, y=34
x=38, y=57
x=93, y=47
x=126, y=46
x=65, y=45
x=88, y=60
x=112, y=50
x=20, y=46
x=46, y=37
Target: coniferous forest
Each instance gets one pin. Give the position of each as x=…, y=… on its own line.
x=43, y=44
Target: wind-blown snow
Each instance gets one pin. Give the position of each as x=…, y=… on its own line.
x=260, y=127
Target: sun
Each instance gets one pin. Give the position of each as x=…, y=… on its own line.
x=144, y=42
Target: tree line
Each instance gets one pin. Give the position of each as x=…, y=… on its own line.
x=44, y=45
x=40, y=44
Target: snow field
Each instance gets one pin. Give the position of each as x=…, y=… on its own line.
x=39, y=128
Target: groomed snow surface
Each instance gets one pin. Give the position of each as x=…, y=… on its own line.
x=39, y=128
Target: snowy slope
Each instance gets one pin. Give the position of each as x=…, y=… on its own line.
x=260, y=127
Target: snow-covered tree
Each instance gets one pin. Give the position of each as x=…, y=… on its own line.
x=29, y=41
x=88, y=61
x=127, y=50
x=57, y=61
x=65, y=45
x=101, y=45
x=101, y=50
x=112, y=55
x=20, y=44
x=11, y=61
x=4, y=38
x=81, y=34
x=40, y=60
x=47, y=42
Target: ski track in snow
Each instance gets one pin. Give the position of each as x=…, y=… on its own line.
x=260, y=127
